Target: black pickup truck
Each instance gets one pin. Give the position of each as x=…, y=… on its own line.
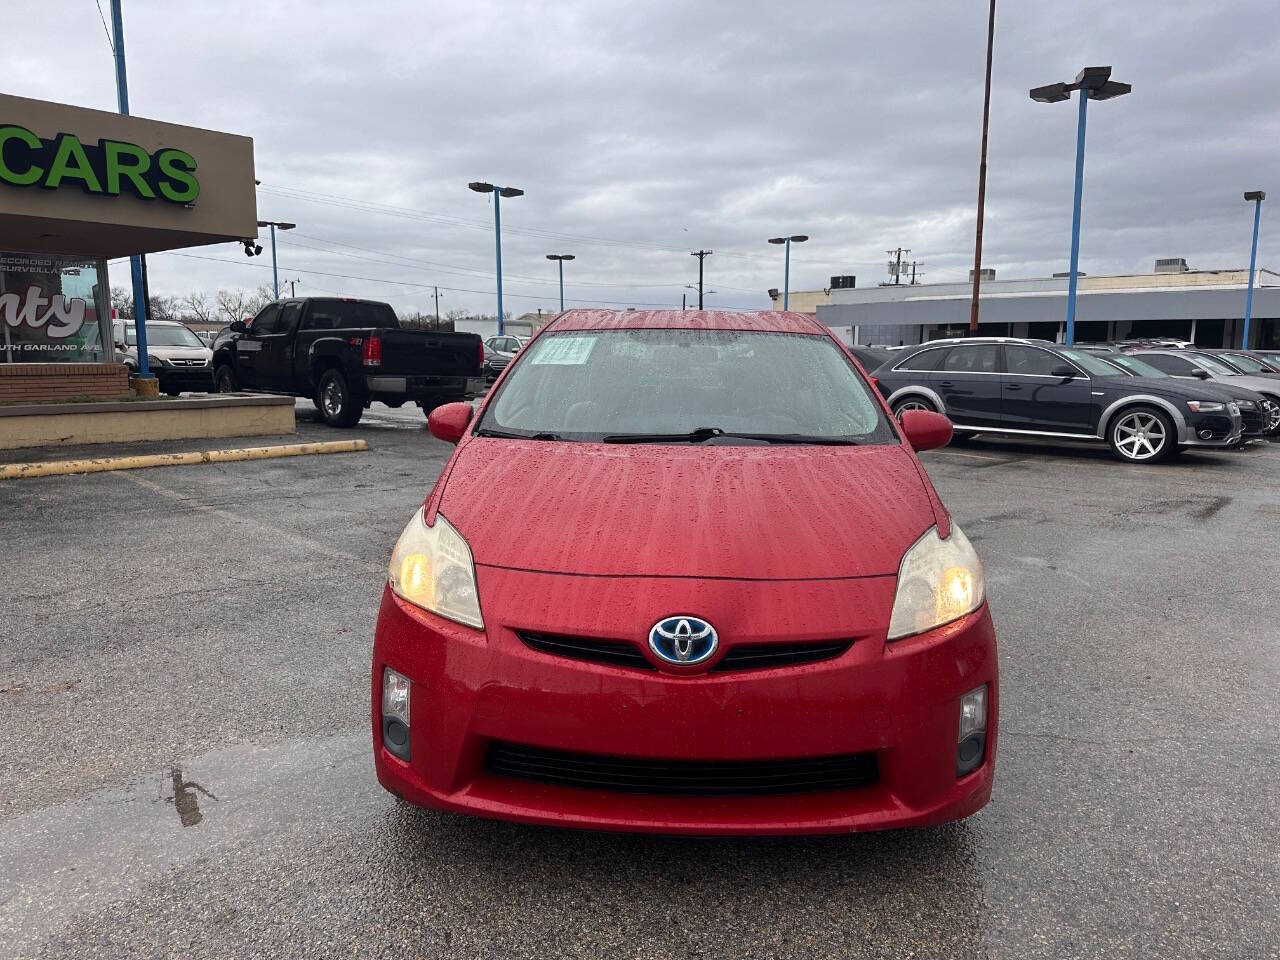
x=344, y=354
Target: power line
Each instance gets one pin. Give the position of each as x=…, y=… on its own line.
x=105, y=29
x=410, y=213
x=409, y=283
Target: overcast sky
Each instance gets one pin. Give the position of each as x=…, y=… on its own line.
x=643, y=130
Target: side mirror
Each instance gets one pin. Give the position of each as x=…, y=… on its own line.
x=449, y=421
x=925, y=429
x=1200, y=374
x=237, y=326
x=1064, y=370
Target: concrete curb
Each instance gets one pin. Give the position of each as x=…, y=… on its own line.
x=53, y=468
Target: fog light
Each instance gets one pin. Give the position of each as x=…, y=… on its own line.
x=972, y=735
x=395, y=712
x=1206, y=434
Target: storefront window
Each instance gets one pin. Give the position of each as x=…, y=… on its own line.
x=53, y=309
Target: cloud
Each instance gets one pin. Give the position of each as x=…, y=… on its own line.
x=641, y=131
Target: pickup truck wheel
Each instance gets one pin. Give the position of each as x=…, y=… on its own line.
x=224, y=379
x=337, y=404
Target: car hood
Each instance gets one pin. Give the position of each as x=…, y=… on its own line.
x=768, y=513
x=179, y=353
x=1249, y=382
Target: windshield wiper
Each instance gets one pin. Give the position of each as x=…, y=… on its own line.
x=506, y=435
x=703, y=434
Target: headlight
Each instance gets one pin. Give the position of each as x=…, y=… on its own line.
x=1205, y=406
x=939, y=581
x=1246, y=404
x=154, y=361
x=431, y=567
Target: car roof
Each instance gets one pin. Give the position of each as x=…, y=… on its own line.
x=765, y=321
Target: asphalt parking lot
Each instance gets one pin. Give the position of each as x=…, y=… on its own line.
x=185, y=764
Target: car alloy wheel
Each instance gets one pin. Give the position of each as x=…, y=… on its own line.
x=1271, y=414
x=331, y=398
x=905, y=405
x=1139, y=435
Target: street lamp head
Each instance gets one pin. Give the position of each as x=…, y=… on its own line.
x=286, y=226
x=1254, y=195
x=799, y=238
x=1052, y=93
x=1110, y=90
x=479, y=186
x=777, y=239
x=1093, y=78
x=568, y=256
x=511, y=191
x=560, y=256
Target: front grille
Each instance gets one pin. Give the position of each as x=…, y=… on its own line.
x=686, y=777
x=618, y=653
x=758, y=656
x=1251, y=420
x=750, y=656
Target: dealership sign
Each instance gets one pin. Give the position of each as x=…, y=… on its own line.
x=57, y=315
x=106, y=168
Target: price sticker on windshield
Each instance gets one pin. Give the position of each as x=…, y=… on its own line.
x=564, y=350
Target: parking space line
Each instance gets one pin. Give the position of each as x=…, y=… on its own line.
x=313, y=546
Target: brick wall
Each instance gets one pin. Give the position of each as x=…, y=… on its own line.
x=51, y=382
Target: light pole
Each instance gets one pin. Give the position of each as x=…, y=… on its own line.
x=137, y=266
x=1255, y=197
x=1094, y=83
x=275, y=272
x=561, y=258
x=479, y=186
x=786, y=275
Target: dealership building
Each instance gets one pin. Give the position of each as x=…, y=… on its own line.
x=1205, y=307
x=79, y=187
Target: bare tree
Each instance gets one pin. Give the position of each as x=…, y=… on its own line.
x=201, y=307
x=233, y=305
x=122, y=302
x=163, y=308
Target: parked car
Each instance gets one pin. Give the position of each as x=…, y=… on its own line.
x=1243, y=362
x=180, y=360
x=345, y=354
x=735, y=603
x=498, y=352
x=1035, y=388
x=1258, y=415
x=870, y=357
x=1190, y=365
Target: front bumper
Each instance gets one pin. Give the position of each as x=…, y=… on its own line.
x=899, y=702
x=1223, y=429
x=193, y=379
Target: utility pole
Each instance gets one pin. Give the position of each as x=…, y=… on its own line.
x=293, y=290
x=683, y=298
x=701, y=255
x=895, y=265
x=437, y=293
x=982, y=176
x=914, y=264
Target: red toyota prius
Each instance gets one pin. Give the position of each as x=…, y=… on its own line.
x=685, y=574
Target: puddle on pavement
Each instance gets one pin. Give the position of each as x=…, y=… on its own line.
x=62, y=861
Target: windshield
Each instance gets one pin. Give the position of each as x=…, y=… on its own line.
x=159, y=336
x=1091, y=364
x=663, y=384
x=1246, y=363
x=1139, y=368
x=1215, y=366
